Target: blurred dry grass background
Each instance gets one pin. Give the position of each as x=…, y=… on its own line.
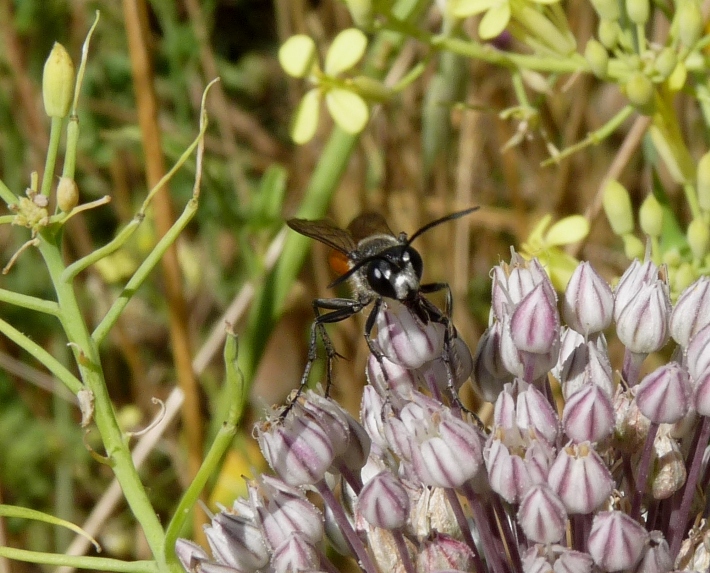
x=189, y=42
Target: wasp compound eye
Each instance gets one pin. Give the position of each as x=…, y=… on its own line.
x=381, y=277
x=412, y=257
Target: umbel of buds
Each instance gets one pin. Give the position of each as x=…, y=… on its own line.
x=608, y=481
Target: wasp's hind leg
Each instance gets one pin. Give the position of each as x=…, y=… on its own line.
x=340, y=309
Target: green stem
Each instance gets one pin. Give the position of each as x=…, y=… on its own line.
x=29, y=302
x=86, y=354
x=691, y=197
x=55, y=134
x=80, y=562
x=142, y=272
x=49, y=361
x=595, y=137
x=72, y=143
x=237, y=398
x=487, y=53
x=116, y=243
x=7, y=195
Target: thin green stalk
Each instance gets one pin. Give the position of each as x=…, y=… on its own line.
x=115, y=442
x=49, y=361
x=29, y=302
x=691, y=196
x=72, y=142
x=7, y=195
x=143, y=271
x=564, y=65
x=595, y=137
x=6, y=219
x=268, y=304
x=55, y=134
x=80, y=562
x=237, y=398
x=116, y=243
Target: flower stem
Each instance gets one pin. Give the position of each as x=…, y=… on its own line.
x=679, y=517
x=356, y=544
x=55, y=134
x=644, y=467
x=460, y=516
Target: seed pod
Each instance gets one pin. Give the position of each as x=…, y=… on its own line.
x=597, y=57
x=651, y=216
x=617, y=206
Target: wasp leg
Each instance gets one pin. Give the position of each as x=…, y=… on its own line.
x=341, y=308
x=450, y=334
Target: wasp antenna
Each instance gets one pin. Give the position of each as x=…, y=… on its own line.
x=449, y=217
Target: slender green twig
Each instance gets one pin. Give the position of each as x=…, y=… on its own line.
x=29, y=302
x=116, y=243
x=51, y=363
x=237, y=398
x=595, y=137
x=81, y=562
x=8, y=196
x=55, y=133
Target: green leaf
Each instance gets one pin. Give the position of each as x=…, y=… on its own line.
x=348, y=110
x=305, y=119
x=345, y=51
x=465, y=8
x=297, y=55
x=567, y=231
x=495, y=21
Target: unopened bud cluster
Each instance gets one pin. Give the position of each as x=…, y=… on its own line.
x=609, y=480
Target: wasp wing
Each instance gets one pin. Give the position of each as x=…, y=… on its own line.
x=369, y=224
x=326, y=232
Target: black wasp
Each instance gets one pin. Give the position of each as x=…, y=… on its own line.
x=378, y=265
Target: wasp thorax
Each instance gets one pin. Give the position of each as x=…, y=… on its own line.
x=395, y=273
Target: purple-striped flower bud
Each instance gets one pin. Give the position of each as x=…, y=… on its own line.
x=581, y=479
x=542, y=515
x=384, y=502
x=702, y=393
x=404, y=339
x=631, y=282
x=489, y=372
x=446, y=452
x=513, y=282
x=588, y=415
x=669, y=467
x=570, y=340
x=664, y=395
x=588, y=304
x=442, y=552
x=657, y=557
x=535, y=323
x=371, y=412
x=692, y=311
x=697, y=357
x=587, y=365
x=237, y=541
x=556, y=559
x=510, y=475
x=534, y=414
x=282, y=509
x=390, y=378
x=616, y=541
x=189, y=554
x=295, y=554
x=350, y=441
x=525, y=365
x=297, y=448
x=435, y=374
x=643, y=324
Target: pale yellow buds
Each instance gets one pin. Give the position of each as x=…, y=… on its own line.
x=597, y=57
x=617, y=206
x=639, y=89
x=651, y=216
x=67, y=194
x=58, y=82
x=690, y=22
x=698, y=238
x=638, y=10
x=703, y=175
